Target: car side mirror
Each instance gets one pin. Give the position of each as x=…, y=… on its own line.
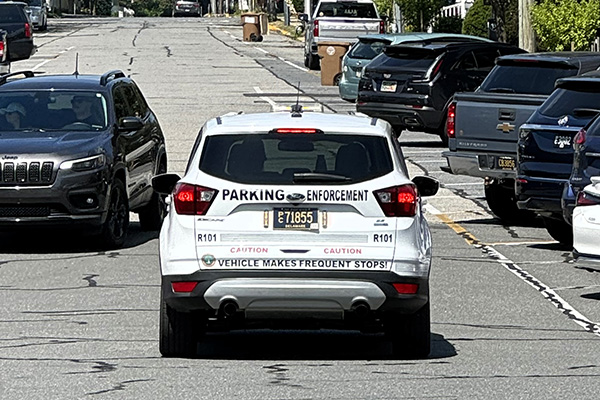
x=165, y=183
x=303, y=17
x=426, y=186
x=130, y=124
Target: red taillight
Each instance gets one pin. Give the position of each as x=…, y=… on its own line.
x=406, y=288
x=585, y=199
x=436, y=69
x=450, y=122
x=521, y=180
x=184, y=287
x=297, y=130
x=192, y=199
x=1, y=50
x=398, y=201
x=580, y=137
x=196, y=5
x=28, y=31
x=382, y=26
x=316, y=28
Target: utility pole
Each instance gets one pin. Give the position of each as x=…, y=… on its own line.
x=526, y=35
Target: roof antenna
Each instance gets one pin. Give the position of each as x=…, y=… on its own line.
x=297, y=108
x=76, y=73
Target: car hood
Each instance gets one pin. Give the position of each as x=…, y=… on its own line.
x=58, y=143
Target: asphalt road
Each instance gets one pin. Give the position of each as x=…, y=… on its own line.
x=512, y=316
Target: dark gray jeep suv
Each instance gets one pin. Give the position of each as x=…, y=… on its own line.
x=80, y=151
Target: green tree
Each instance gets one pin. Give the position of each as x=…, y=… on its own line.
x=476, y=20
x=419, y=14
x=562, y=24
x=506, y=16
x=152, y=8
x=448, y=24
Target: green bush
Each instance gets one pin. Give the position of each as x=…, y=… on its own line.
x=451, y=24
x=476, y=20
x=103, y=7
x=152, y=8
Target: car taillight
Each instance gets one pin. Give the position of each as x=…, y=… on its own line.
x=28, y=31
x=398, y=201
x=316, y=28
x=586, y=199
x=184, y=286
x=192, y=199
x=2, y=51
x=450, y=123
x=436, y=69
x=382, y=26
x=196, y=5
x=579, y=138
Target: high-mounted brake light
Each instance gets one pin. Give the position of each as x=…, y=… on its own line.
x=450, y=122
x=398, y=201
x=585, y=199
x=296, y=130
x=316, y=28
x=193, y=199
x=184, y=287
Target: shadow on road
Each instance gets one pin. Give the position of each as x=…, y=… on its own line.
x=307, y=345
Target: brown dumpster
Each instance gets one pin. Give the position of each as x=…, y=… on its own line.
x=331, y=54
x=251, y=27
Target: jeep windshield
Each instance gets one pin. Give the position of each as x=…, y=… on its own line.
x=53, y=111
x=288, y=159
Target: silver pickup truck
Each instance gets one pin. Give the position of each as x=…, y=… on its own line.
x=338, y=20
x=484, y=125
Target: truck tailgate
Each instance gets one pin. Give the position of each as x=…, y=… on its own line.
x=346, y=29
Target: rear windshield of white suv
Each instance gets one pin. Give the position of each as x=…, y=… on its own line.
x=296, y=158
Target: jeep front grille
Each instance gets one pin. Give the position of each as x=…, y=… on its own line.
x=23, y=172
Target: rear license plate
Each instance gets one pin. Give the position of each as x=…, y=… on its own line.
x=296, y=218
x=506, y=163
x=562, y=141
x=388, y=86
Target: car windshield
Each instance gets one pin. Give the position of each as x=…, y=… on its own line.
x=532, y=78
x=288, y=159
x=367, y=50
x=564, y=102
x=347, y=10
x=53, y=111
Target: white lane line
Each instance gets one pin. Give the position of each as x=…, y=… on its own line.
x=260, y=49
x=268, y=100
x=41, y=64
x=526, y=243
x=296, y=66
x=522, y=274
x=459, y=184
x=53, y=58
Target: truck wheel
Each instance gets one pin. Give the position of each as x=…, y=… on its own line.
x=314, y=62
x=115, y=227
x=560, y=230
x=179, y=332
x=502, y=202
x=410, y=334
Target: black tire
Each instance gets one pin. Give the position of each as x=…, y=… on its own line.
x=560, y=230
x=306, y=61
x=152, y=215
x=116, y=225
x=441, y=131
x=503, y=203
x=410, y=334
x=314, y=62
x=179, y=332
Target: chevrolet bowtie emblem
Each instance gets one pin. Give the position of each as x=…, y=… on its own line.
x=505, y=127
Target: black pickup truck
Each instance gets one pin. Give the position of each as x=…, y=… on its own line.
x=15, y=21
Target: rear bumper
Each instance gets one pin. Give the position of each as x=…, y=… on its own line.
x=480, y=165
x=296, y=294
x=425, y=118
x=21, y=49
x=541, y=195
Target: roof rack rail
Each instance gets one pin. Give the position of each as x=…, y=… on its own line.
x=26, y=74
x=110, y=75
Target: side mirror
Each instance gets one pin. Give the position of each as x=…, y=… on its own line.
x=303, y=17
x=426, y=186
x=165, y=183
x=130, y=124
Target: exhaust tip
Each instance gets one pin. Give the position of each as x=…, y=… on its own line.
x=228, y=308
x=360, y=309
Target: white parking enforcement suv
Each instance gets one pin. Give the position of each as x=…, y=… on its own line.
x=296, y=220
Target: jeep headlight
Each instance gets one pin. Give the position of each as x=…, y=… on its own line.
x=85, y=164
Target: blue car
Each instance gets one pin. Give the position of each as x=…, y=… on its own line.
x=369, y=46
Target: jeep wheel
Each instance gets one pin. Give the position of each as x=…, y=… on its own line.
x=560, y=230
x=179, y=332
x=152, y=214
x=410, y=334
x=115, y=227
x=502, y=202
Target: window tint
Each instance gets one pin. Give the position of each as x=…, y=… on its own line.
x=275, y=158
x=406, y=58
x=11, y=13
x=136, y=104
x=347, y=10
x=530, y=79
x=467, y=62
x=486, y=59
x=563, y=102
x=121, y=106
x=367, y=50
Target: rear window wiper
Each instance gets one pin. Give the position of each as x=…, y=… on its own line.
x=319, y=177
x=501, y=90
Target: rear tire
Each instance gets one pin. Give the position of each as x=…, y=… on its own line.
x=179, y=331
x=114, y=230
x=560, y=230
x=410, y=334
x=152, y=214
x=502, y=202
x=314, y=62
